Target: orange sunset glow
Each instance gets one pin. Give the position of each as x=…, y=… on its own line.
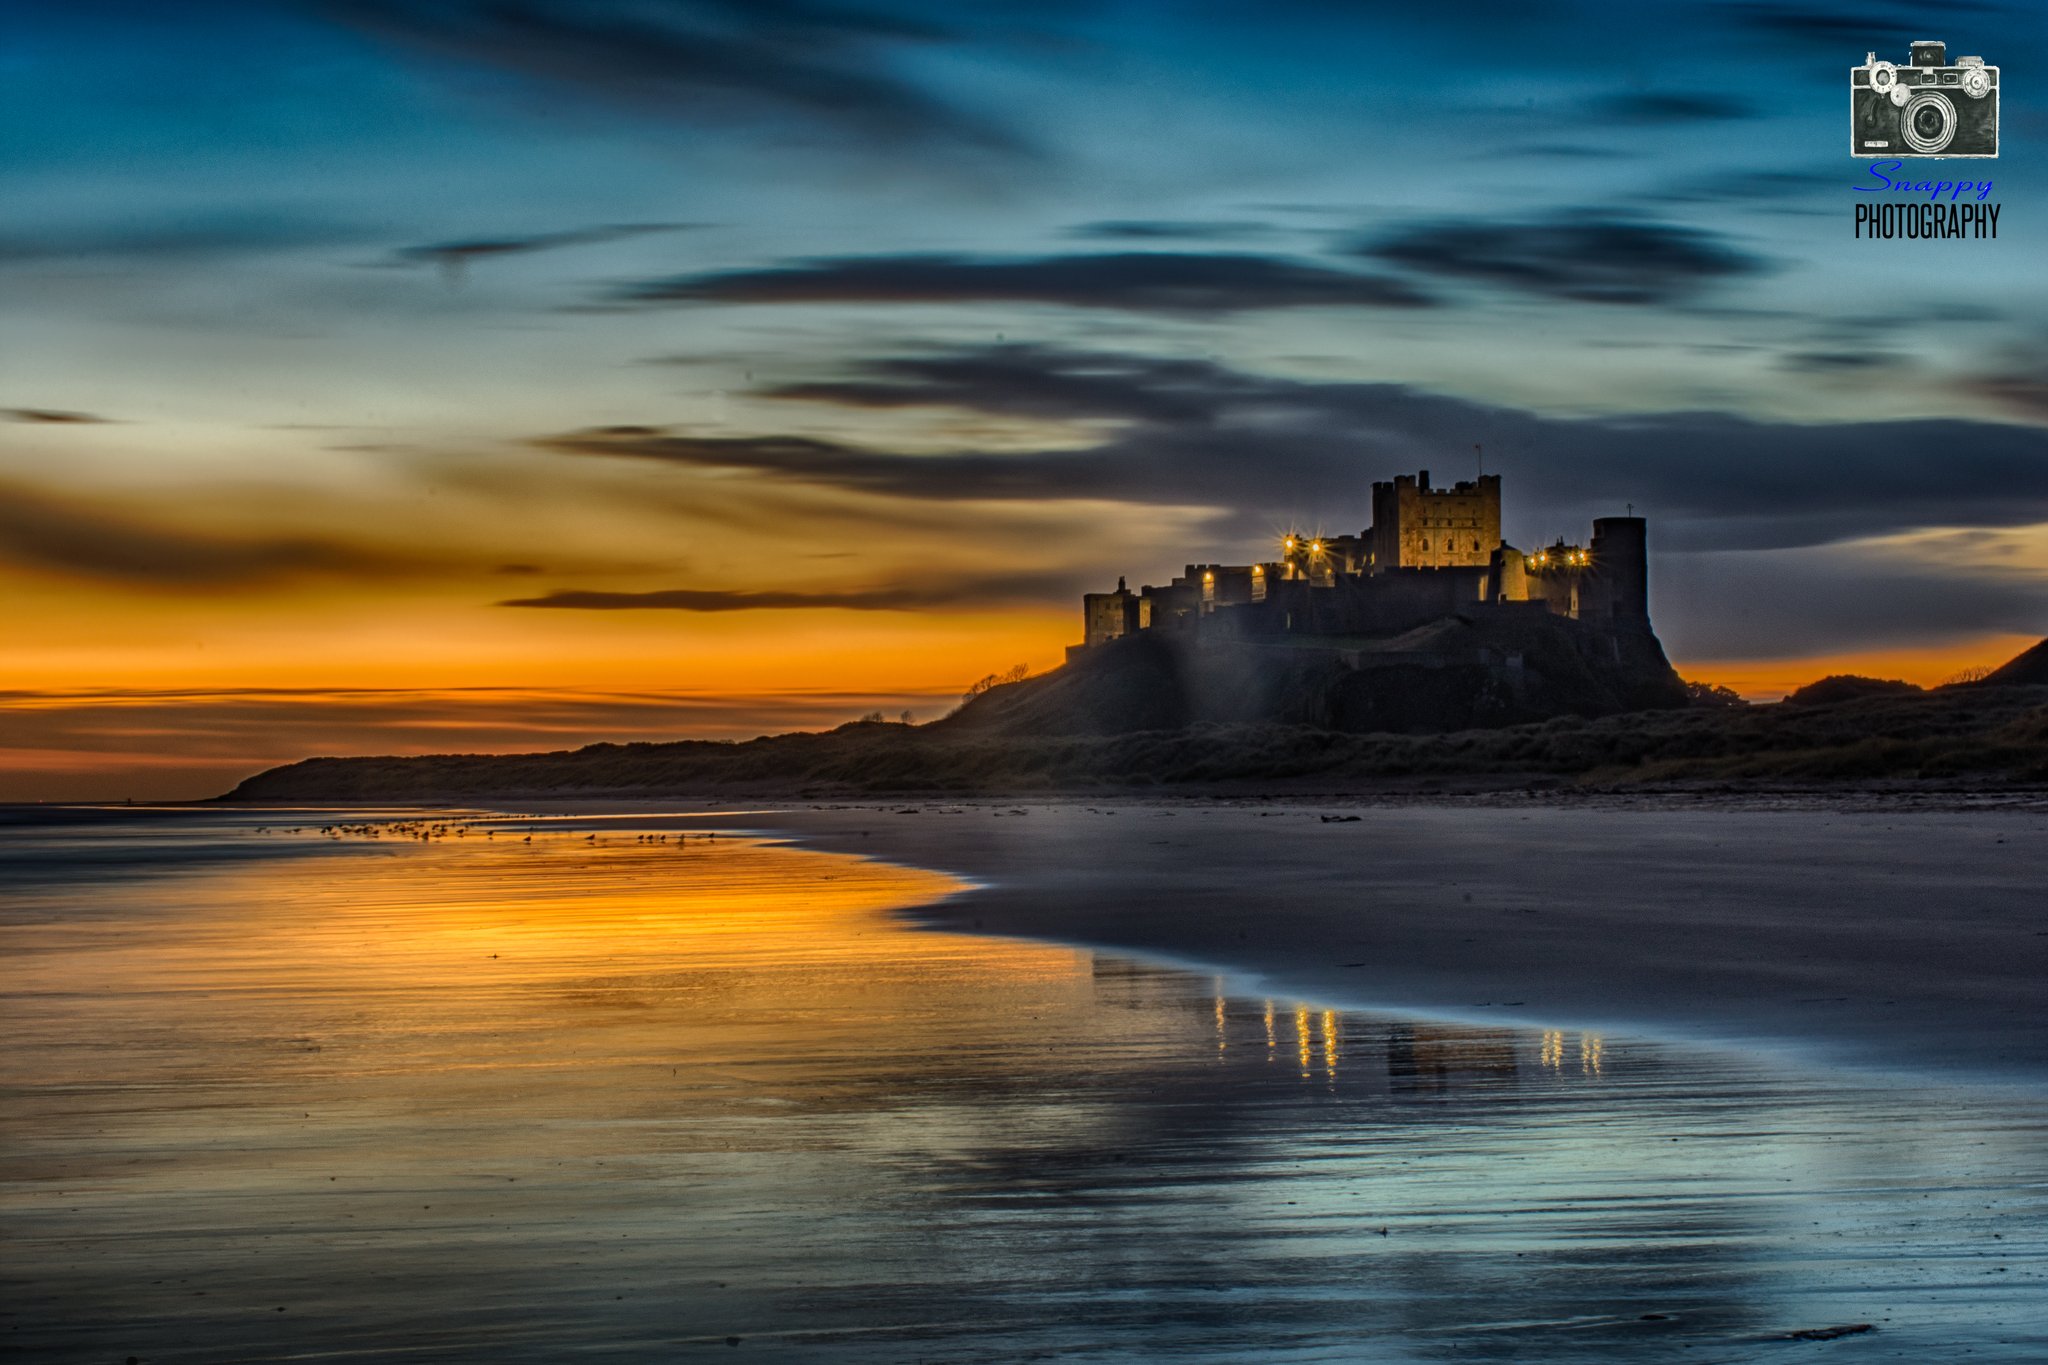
x=1770, y=679
x=370, y=382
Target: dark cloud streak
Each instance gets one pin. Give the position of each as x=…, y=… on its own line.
x=48, y=532
x=454, y=257
x=1193, y=433
x=1584, y=257
x=1184, y=283
x=1669, y=106
x=54, y=417
x=943, y=592
x=1159, y=230
x=823, y=68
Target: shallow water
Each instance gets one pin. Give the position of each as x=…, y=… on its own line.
x=276, y=1095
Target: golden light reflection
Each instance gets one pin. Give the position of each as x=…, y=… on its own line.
x=451, y=957
x=1301, y=1040
x=1272, y=1043
x=1327, y=1033
x=1591, y=1049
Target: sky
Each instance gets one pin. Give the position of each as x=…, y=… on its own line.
x=389, y=377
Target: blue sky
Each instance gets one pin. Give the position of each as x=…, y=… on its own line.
x=360, y=293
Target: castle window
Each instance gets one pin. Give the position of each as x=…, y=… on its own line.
x=1425, y=546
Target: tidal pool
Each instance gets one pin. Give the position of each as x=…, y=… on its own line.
x=492, y=1088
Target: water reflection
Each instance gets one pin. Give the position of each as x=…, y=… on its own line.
x=522, y=1091
x=1587, y=1047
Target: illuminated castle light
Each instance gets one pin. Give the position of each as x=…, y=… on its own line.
x=1429, y=553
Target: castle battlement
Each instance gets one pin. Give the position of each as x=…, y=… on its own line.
x=1429, y=553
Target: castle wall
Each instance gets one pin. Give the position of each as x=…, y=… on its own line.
x=1402, y=599
x=1431, y=553
x=1560, y=589
x=1170, y=607
x=1383, y=604
x=1224, y=585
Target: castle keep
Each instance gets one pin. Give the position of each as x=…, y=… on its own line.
x=1429, y=554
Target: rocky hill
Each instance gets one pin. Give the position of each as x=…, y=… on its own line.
x=1462, y=672
x=1130, y=723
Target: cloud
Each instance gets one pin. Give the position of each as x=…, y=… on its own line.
x=454, y=257
x=2024, y=393
x=821, y=67
x=943, y=591
x=1161, y=230
x=53, y=417
x=1838, y=361
x=2020, y=385
x=1584, y=257
x=1559, y=151
x=1777, y=604
x=1760, y=530
x=1270, y=450
x=1839, y=28
x=1032, y=381
x=1669, y=106
x=47, y=532
x=1183, y=283
x=966, y=476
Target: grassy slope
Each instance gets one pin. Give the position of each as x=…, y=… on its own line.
x=1975, y=735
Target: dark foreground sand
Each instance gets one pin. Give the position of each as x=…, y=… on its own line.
x=1884, y=937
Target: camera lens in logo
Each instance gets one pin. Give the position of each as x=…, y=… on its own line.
x=1928, y=122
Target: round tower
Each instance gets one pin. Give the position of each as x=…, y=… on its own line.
x=1621, y=566
x=1509, y=572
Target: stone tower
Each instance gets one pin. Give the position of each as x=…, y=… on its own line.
x=1618, y=588
x=1415, y=526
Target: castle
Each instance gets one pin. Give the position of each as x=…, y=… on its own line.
x=1430, y=553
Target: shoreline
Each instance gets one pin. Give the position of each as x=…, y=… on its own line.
x=1883, y=931
x=1840, y=970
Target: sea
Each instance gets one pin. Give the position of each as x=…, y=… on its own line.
x=470, y=1085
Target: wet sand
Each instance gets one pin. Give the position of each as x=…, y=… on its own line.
x=1878, y=937
x=615, y=1093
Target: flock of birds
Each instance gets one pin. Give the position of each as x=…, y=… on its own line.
x=425, y=831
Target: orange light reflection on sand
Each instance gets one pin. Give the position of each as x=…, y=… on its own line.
x=492, y=944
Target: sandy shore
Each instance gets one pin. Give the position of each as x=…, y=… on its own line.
x=1881, y=937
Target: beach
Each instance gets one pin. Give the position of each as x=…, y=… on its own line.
x=850, y=1084
x=1850, y=931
